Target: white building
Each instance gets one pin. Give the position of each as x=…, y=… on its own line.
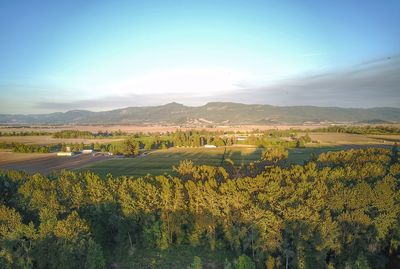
x=87, y=151
x=61, y=153
x=210, y=146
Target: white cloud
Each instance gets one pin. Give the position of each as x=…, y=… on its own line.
x=193, y=81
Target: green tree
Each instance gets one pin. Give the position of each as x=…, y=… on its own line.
x=244, y=262
x=197, y=264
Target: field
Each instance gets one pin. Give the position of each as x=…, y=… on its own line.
x=323, y=139
x=44, y=163
x=161, y=161
x=352, y=139
x=12, y=157
x=151, y=128
x=46, y=140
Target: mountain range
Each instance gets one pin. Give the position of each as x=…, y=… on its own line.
x=221, y=113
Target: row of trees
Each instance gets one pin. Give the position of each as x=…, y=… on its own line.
x=24, y=133
x=23, y=148
x=353, y=129
x=73, y=134
x=340, y=211
x=265, y=139
x=88, y=134
x=192, y=138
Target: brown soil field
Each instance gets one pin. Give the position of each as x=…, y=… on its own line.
x=45, y=163
x=10, y=157
x=386, y=138
x=353, y=139
x=46, y=140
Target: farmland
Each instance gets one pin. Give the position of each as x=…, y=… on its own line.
x=352, y=139
x=162, y=161
x=151, y=128
x=159, y=161
x=44, y=163
x=46, y=140
x=11, y=157
x=155, y=162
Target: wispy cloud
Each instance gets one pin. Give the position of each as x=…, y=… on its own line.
x=119, y=101
x=370, y=84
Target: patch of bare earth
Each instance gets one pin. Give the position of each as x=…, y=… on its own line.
x=49, y=163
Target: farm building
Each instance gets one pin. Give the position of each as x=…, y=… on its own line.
x=87, y=151
x=210, y=146
x=61, y=153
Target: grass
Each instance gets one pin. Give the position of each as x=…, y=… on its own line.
x=46, y=140
x=300, y=155
x=334, y=139
x=161, y=161
x=10, y=157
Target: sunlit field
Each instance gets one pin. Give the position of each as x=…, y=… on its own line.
x=161, y=161
x=46, y=140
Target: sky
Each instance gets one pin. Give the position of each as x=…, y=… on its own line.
x=102, y=55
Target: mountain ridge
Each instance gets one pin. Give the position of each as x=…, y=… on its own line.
x=212, y=112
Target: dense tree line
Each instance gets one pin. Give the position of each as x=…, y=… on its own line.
x=73, y=134
x=24, y=133
x=88, y=135
x=266, y=139
x=131, y=145
x=353, y=129
x=339, y=211
x=23, y=148
x=195, y=138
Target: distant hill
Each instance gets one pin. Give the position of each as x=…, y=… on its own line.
x=212, y=113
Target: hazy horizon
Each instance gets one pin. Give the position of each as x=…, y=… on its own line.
x=60, y=56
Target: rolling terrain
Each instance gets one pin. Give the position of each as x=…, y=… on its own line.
x=221, y=113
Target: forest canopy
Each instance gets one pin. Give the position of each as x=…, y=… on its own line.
x=340, y=210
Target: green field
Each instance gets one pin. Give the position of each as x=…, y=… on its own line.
x=300, y=155
x=161, y=161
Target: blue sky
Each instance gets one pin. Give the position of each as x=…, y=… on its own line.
x=98, y=55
